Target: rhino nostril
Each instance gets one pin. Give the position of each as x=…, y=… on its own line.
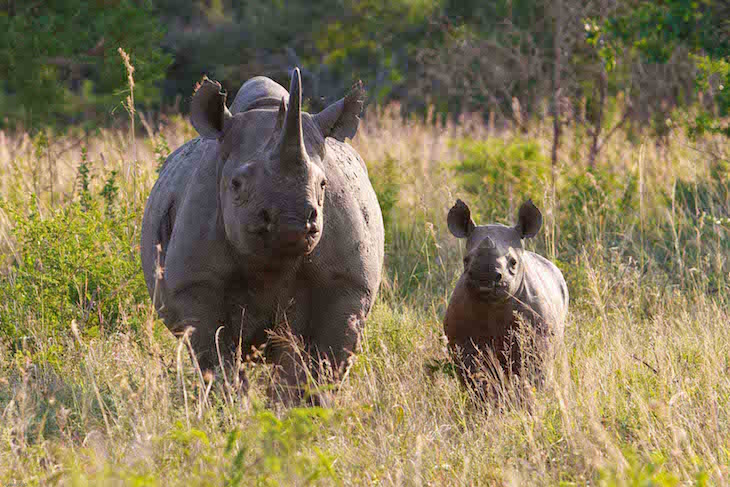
x=497, y=277
x=266, y=219
x=312, y=215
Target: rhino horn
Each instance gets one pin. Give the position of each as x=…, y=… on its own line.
x=488, y=243
x=292, y=139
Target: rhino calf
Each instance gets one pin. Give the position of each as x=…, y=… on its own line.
x=501, y=280
x=267, y=219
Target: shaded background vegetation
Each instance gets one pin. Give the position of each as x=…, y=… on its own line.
x=516, y=58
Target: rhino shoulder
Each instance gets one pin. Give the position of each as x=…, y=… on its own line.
x=352, y=246
x=185, y=201
x=344, y=154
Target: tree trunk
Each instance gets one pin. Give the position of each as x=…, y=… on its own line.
x=597, y=120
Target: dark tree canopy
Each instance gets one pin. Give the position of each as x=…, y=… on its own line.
x=59, y=58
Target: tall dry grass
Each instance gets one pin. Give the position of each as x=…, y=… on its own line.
x=639, y=391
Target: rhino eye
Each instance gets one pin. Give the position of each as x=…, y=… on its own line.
x=512, y=262
x=236, y=183
x=323, y=184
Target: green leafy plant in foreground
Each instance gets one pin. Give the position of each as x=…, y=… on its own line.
x=78, y=262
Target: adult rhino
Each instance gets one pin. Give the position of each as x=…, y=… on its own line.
x=267, y=218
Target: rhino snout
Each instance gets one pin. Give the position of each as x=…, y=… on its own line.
x=484, y=278
x=296, y=225
x=293, y=233
x=486, y=284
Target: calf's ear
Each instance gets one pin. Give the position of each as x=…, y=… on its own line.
x=208, y=112
x=529, y=220
x=341, y=119
x=459, y=220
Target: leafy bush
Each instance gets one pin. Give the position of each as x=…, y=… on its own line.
x=276, y=447
x=77, y=263
x=80, y=70
x=496, y=172
x=386, y=182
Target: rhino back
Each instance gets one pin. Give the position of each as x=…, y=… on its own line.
x=258, y=92
x=545, y=291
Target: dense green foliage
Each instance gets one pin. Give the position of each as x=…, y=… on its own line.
x=453, y=56
x=78, y=262
x=657, y=31
x=59, y=59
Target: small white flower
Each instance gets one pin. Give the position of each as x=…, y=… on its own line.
x=588, y=27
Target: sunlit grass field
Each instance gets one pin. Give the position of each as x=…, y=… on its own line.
x=95, y=390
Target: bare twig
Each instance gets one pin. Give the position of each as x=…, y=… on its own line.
x=645, y=363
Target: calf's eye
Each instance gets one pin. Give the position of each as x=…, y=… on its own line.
x=512, y=262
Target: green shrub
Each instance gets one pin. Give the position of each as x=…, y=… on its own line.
x=274, y=449
x=386, y=183
x=78, y=262
x=496, y=173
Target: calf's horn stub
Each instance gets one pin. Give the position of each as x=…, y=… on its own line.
x=488, y=243
x=208, y=111
x=292, y=140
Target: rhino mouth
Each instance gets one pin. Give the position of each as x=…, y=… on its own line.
x=302, y=246
x=489, y=291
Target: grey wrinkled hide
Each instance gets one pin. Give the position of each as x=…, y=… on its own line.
x=502, y=281
x=236, y=260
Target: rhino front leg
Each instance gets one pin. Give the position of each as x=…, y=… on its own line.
x=337, y=323
x=200, y=307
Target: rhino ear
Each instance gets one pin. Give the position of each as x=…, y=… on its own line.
x=459, y=220
x=529, y=220
x=340, y=120
x=208, y=112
